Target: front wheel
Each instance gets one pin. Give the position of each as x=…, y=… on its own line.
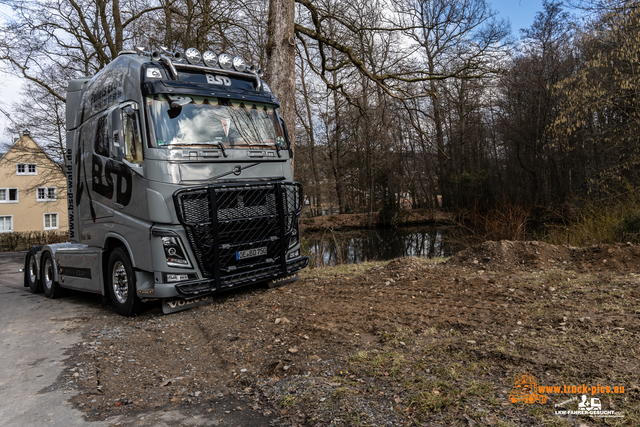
x=121, y=282
x=49, y=285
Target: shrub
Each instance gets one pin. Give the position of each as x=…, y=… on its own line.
x=603, y=222
x=23, y=240
x=506, y=220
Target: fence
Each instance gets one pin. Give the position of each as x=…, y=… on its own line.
x=23, y=240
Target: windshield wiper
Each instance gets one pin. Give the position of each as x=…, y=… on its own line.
x=221, y=145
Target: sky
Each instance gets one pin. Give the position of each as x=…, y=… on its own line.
x=520, y=12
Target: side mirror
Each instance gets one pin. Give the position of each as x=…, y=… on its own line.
x=286, y=136
x=117, y=148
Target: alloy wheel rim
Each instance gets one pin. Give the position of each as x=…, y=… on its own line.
x=48, y=274
x=120, y=282
x=32, y=270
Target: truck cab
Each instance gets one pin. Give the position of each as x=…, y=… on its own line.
x=179, y=183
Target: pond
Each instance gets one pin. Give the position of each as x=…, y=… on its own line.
x=353, y=247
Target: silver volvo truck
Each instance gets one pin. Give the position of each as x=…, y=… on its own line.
x=179, y=184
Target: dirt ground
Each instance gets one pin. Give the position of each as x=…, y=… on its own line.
x=406, y=342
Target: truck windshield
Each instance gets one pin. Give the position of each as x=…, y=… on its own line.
x=181, y=120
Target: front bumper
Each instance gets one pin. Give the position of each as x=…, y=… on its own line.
x=195, y=288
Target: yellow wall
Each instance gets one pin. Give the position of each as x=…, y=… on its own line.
x=28, y=213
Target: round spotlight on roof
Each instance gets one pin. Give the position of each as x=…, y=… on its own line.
x=178, y=56
x=239, y=64
x=210, y=59
x=260, y=72
x=193, y=56
x=225, y=61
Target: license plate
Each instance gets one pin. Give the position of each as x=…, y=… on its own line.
x=250, y=253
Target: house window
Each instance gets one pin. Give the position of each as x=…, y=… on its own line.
x=46, y=194
x=51, y=221
x=6, y=224
x=26, y=169
x=8, y=195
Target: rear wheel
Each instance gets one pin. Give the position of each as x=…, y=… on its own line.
x=31, y=271
x=49, y=285
x=121, y=281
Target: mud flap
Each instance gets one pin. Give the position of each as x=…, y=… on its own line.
x=178, y=304
x=282, y=280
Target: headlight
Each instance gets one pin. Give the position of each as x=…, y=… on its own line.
x=210, y=59
x=193, y=56
x=174, y=253
x=293, y=241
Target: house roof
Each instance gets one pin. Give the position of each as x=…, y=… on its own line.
x=26, y=135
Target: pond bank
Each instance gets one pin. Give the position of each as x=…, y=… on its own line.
x=359, y=221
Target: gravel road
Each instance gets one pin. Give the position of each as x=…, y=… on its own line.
x=36, y=335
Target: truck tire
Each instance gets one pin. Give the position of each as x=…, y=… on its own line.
x=31, y=271
x=49, y=285
x=121, y=282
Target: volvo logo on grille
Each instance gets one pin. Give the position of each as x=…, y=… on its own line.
x=237, y=170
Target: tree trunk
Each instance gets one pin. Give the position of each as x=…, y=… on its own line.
x=281, y=73
x=312, y=141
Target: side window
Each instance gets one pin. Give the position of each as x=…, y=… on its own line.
x=102, y=138
x=132, y=140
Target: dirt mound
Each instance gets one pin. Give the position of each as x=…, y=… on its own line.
x=508, y=254
x=406, y=264
x=618, y=257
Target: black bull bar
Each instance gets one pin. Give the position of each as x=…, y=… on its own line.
x=223, y=222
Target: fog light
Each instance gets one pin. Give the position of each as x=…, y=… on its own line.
x=177, y=277
x=294, y=254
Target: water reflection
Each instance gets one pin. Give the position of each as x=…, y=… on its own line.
x=352, y=247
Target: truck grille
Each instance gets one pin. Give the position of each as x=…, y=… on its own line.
x=224, y=221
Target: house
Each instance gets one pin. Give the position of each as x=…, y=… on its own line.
x=33, y=189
